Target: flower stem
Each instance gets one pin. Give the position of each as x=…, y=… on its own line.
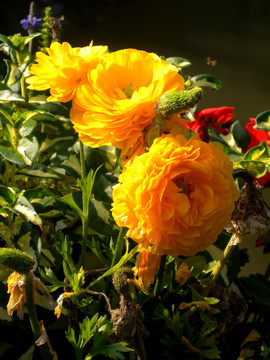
x=119, y=246
x=160, y=275
x=28, y=278
x=85, y=201
x=234, y=240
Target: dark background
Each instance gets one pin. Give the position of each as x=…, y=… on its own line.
x=234, y=32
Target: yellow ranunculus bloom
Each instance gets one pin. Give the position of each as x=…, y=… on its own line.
x=63, y=69
x=176, y=198
x=117, y=104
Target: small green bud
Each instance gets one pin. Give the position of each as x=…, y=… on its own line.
x=120, y=278
x=16, y=260
x=178, y=102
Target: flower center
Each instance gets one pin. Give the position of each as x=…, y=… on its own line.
x=182, y=184
x=129, y=90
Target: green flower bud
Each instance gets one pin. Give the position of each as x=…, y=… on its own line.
x=178, y=102
x=120, y=278
x=16, y=260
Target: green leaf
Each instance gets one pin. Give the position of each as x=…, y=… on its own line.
x=206, y=80
x=24, y=207
x=113, y=351
x=9, y=95
x=263, y=121
x=29, y=354
x=27, y=128
x=9, y=153
x=30, y=242
x=19, y=42
x=257, y=160
x=179, y=62
x=69, y=200
x=256, y=288
x=257, y=168
x=7, y=195
x=13, y=73
x=100, y=218
x=240, y=135
x=4, y=39
x=40, y=171
x=49, y=276
x=124, y=259
x=29, y=148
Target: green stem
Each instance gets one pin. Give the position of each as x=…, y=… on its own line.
x=85, y=200
x=160, y=275
x=28, y=278
x=118, y=251
x=234, y=240
x=22, y=79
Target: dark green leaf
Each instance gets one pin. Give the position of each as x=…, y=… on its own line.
x=240, y=135
x=263, y=121
x=179, y=62
x=9, y=153
x=7, y=195
x=206, y=80
x=257, y=289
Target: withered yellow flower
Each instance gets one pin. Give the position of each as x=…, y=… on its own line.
x=182, y=274
x=146, y=267
x=176, y=198
x=16, y=289
x=118, y=102
x=63, y=69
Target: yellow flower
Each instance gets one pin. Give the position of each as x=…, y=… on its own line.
x=176, y=198
x=63, y=69
x=118, y=102
x=146, y=266
x=182, y=274
x=203, y=305
x=16, y=289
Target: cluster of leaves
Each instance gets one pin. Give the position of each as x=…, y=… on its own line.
x=42, y=192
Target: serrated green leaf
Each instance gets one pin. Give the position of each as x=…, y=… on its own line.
x=206, y=80
x=49, y=276
x=69, y=200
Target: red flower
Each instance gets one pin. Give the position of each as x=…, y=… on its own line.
x=256, y=137
x=217, y=118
